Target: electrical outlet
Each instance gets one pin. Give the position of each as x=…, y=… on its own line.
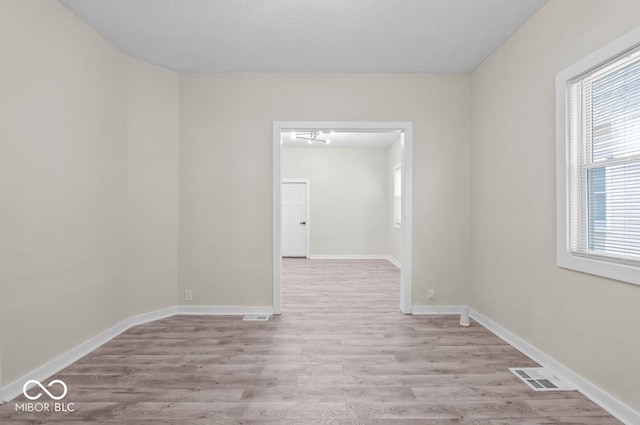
x=431, y=294
x=188, y=295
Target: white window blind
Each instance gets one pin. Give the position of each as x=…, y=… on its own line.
x=604, y=161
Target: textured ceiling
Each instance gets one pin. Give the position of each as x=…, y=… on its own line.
x=421, y=36
x=381, y=140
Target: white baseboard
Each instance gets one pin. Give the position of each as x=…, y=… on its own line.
x=349, y=257
x=151, y=316
x=393, y=261
x=215, y=310
x=14, y=389
x=52, y=367
x=436, y=309
x=603, y=399
x=357, y=257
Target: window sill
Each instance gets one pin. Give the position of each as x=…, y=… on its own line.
x=617, y=271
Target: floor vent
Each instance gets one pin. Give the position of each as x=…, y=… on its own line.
x=541, y=379
x=255, y=318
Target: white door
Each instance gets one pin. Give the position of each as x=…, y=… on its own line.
x=294, y=219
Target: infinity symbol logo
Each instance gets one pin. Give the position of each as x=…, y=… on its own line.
x=56, y=381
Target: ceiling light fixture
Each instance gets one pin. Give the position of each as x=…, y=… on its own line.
x=311, y=136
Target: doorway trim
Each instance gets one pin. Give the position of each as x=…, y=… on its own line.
x=307, y=183
x=406, y=156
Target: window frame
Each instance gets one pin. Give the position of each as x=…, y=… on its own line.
x=565, y=258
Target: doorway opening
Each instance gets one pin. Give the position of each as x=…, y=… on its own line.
x=318, y=132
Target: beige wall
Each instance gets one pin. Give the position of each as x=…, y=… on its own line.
x=394, y=239
x=348, y=197
x=152, y=196
x=225, y=214
x=82, y=247
x=589, y=324
x=63, y=165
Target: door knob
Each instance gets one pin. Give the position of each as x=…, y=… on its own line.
x=303, y=222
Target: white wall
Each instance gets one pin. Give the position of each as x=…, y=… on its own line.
x=348, y=197
x=152, y=196
x=394, y=239
x=64, y=176
x=589, y=324
x=225, y=214
x=70, y=103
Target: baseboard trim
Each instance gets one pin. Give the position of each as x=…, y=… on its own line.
x=394, y=261
x=151, y=316
x=215, y=310
x=52, y=367
x=349, y=257
x=358, y=257
x=436, y=309
x=603, y=399
x=14, y=389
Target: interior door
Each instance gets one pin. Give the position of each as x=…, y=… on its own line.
x=294, y=219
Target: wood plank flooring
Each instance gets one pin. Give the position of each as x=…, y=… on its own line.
x=341, y=353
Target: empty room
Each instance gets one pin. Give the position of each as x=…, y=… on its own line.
x=320, y=212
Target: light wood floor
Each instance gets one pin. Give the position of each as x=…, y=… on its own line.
x=341, y=353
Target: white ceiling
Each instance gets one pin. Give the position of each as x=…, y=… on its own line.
x=381, y=140
x=417, y=36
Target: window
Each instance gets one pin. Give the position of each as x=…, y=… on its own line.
x=598, y=108
x=397, y=197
